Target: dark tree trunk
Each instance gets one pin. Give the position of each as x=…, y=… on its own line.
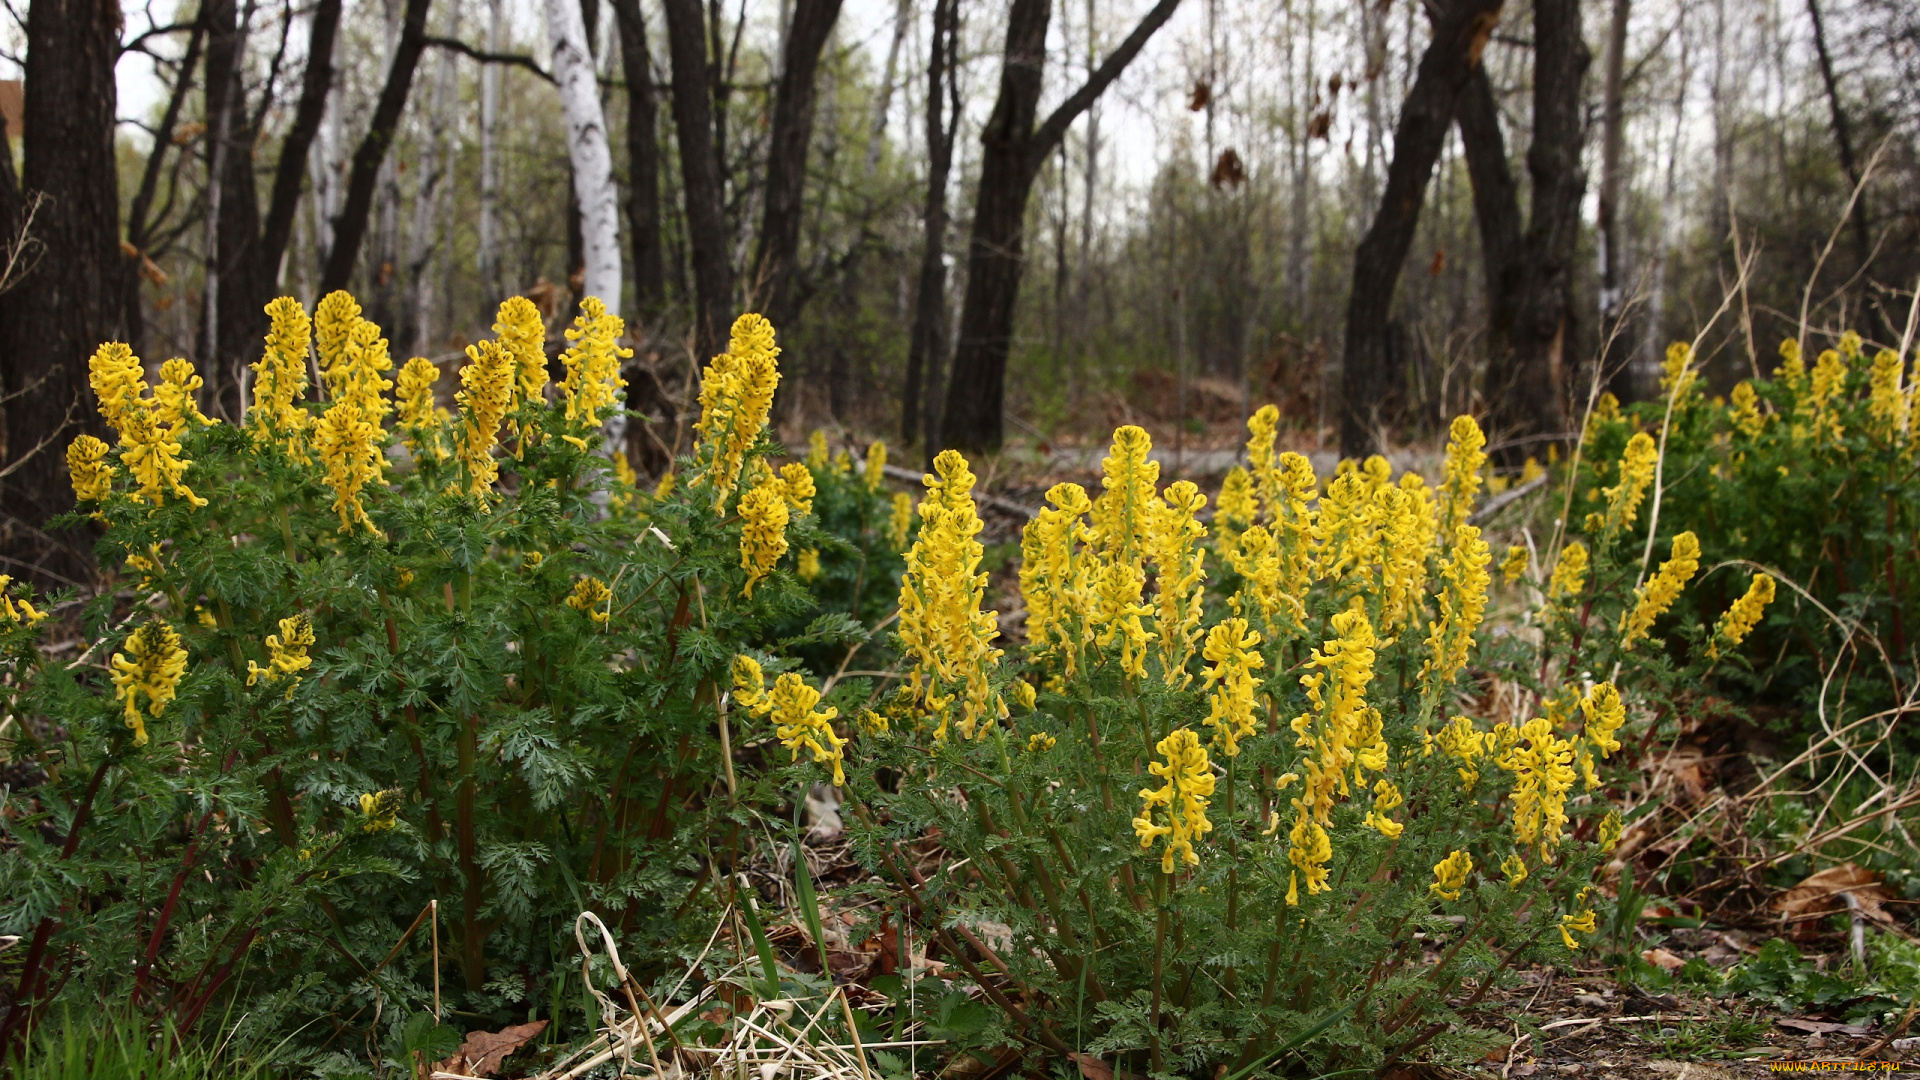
x=787, y=156
x=1526, y=387
x=140, y=227
x=643, y=162
x=71, y=301
x=699, y=173
x=350, y=228
x=1012, y=150
x=240, y=298
x=1460, y=31
x=1842, y=132
x=1496, y=206
x=291, y=171
x=928, y=345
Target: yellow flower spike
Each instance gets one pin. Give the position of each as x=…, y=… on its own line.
x=349, y=444
x=1466, y=456
x=842, y=462
x=88, y=469
x=592, y=361
x=1582, y=922
x=1636, y=473
x=1262, y=429
x=1188, y=785
x=1234, y=510
x=1569, y=573
x=1829, y=378
x=1386, y=798
x=1460, y=740
x=818, y=455
x=799, y=726
x=1542, y=764
x=152, y=458
x=807, y=566
x=763, y=530
x=1654, y=598
x=286, y=654
x=1745, y=414
x=1121, y=514
x=1232, y=650
x=943, y=628
x=334, y=319
x=1256, y=558
x=151, y=667
x=900, y=520
x=1115, y=612
x=1531, y=470
x=486, y=393
x=590, y=597
x=119, y=382
x=1463, y=602
x=1604, y=714
x=522, y=333
x=1174, y=547
x=1450, y=875
x=1024, y=695
x=736, y=392
x=381, y=809
x=1744, y=615
x=1677, y=373
x=1886, y=401
x=1053, y=572
x=749, y=685
x=280, y=381
x=173, y=403
x=1040, y=742
x=422, y=420
x=1514, y=566
x=17, y=609
x=664, y=487
x=1515, y=868
x=1309, y=850
x=799, y=486
x=1609, y=836
x=876, y=472
x=1793, y=368
x=1404, y=517
x=1849, y=345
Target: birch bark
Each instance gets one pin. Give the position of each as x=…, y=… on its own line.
x=587, y=149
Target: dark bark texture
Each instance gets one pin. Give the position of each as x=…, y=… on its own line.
x=927, y=347
x=1460, y=31
x=787, y=157
x=699, y=173
x=71, y=301
x=142, y=223
x=643, y=163
x=1496, y=207
x=350, y=228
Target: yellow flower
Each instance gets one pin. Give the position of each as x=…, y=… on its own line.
x=817, y=453
x=1609, y=832
x=763, y=530
x=1184, y=795
x=1386, y=798
x=1040, y=742
x=942, y=627
x=152, y=668
x=1569, y=572
x=1792, y=371
x=381, y=810
x=1256, y=558
x=1654, y=598
x=1341, y=735
x=1829, y=377
x=800, y=727
x=348, y=442
x=1514, y=566
x=736, y=392
x=486, y=394
x=1515, y=868
x=1309, y=849
x=1636, y=473
x=808, y=564
x=280, y=380
x=900, y=520
x=1115, y=611
x=119, y=382
x=664, y=487
x=1173, y=545
x=1053, y=572
x=1460, y=740
x=1605, y=714
x=798, y=483
x=1234, y=510
x=17, y=609
x=1886, y=402
x=173, y=403
x=1466, y=456
x=523, y=337
x=421, y=417
x=286, y=653
x=1745, y=415
x=1744, y=615
x=842, y=462
x=153, y=459
x=334, y=319
x=1582, y=922
x=1463, y=602
x=1233, y=650
x=87, y=467
x=592, y=361
x=1023, y=694
x=1676, y=372
x=1607, y=408
x=1122, y=513
x=590, y=597
x=876, y=474
x=1262, y=429
x=1531, y=470
x=749, y=685
x=1542, y=764
x=1450, y=875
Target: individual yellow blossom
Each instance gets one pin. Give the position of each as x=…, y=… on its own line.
x=1463, y=602
x=1115, y=610
x=1234, y=510
x=422, y=419
x=591, y=597
x=17, y=609
x=763, y=530
x=1582, y=922
x=1466, y=456
x=1188, y=785
x=1233, y=652
x=1886, y=402
x=1677, y=374
x=1040, y=742
x=1053, y=572
x=151, y=668
x=1605, y=714
x=486, y=393
x=808, y=564
x=88, y=469
x=1515, y=868
x=749, y=685
x=943, y=628
x=1450, y=875
x=799, y=726
x=1609, y=832
x=334, y=319
x=1636, y=474
x=1654, y=598
x=592, y=361
x=286, y=653
x=119, y=383
x=173, y=403
x=1386, y=798
x=1542, y=764
x=1121, y=514
x=1023, y=694
x=1514, y=566
x=1746, y=416
x=736, y=392
x=152, y=458
x=876, y=474
x=381, y=809
x=1174, y=547
x=818, y=455
x=798, y=483
x=900, y=520
x=1744, y=615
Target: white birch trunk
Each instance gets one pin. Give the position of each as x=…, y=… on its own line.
x=587, y=149
x=489, y=254
x=436, y=155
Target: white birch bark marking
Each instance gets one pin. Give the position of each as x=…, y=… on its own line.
x=587, y=149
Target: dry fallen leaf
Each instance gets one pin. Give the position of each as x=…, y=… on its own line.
x=485, y=1051
x=1663, y=960
x=1825, y=893
x=1092, y=1068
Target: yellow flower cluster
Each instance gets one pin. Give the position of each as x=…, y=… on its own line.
x=280, y=381
x=1514, y=566
x=1340, y=733
x=736, y=392
x=1450, y=875
x=1744, y=615
x=1569, y=573
x=1040, y=742
x=1677, y=373
x=149, y=441
x=17, y=610
x=1460, y=740
x=1654, y=598
x=350, y=434
x=334, y=318
x=797, y=483
x=286, y=654
x=1605, y=715
x=1466, y=456
x=1887, y=404
x=900, y=521
x=1624, y=497
x=1114, y=609
x=1232, y=649
x=1463, y=602
x=945, y=632
x=151, y=667
x=87, y=467
x=1053, y=578
x=486, y=394
x=1515, y=868
x=173, y=402
x=818, y=455
x=764, y=514
x=797, y=724
x=1829, y=377
x=876, y=471
x=592, y=361
x=1542, y=767
x=522, y=332
x=1582, y=922
x=1122, y=514
x=591, y=597
x=807, y=566
x=421, y=418
x=1188, y=784
x=1173, y=545
x=1746, y=415
x=381, y=809
x=1233, y=511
